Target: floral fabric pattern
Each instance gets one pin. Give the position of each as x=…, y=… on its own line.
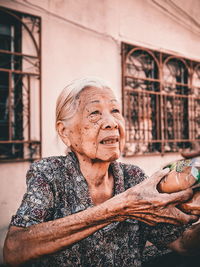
x=56, y=188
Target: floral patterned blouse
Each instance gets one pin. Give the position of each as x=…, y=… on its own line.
x=56, y=188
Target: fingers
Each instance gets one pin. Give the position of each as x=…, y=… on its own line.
x=155, y=218
x=195, y=186
x=141, y=218
x=157, y=176
x=195, y=212
x=173, y=213
x=190, y=210
x=173, y=216
x=183, y=217
x=179, y=197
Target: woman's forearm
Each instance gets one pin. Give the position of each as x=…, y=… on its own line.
x=142, y=202
x=23, y=244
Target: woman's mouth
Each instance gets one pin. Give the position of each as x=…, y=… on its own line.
x=110, y=140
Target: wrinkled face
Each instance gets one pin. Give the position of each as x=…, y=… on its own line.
x=97, y=129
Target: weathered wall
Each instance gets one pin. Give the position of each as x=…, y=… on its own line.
x=83, y=37
x=12, y=188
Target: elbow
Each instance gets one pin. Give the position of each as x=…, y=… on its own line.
x=11, y=253
x=8, y=252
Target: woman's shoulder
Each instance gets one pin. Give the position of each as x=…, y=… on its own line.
x=133, y=173
x=131, y=168
x=50, y=168
x=47, y=163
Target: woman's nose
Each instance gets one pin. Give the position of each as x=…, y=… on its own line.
x=109, y=122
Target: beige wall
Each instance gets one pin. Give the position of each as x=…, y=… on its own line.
x=83, y=37
x=12, y=188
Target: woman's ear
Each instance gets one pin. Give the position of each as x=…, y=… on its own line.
x=63, y=133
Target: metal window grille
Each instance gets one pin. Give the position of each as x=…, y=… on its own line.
x=161, y=101
x=20, y=86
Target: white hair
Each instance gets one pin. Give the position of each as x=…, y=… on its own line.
x=66, y=104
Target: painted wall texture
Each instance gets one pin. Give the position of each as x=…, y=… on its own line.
x=83, y=37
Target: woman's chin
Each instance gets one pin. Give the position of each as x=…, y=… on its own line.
x=108, y=157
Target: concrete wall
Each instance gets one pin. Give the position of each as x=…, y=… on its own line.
x=83, y=37
x=12, y=188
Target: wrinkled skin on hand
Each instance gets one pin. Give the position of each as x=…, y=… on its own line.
x=192, y=206
x=146, y=204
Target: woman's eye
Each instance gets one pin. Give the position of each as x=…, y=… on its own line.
x=94, y=116
x=96, y=112
x=115, y=110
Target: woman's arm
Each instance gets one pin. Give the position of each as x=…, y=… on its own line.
x=23, y=244
x=189, y=242
x=142, y=202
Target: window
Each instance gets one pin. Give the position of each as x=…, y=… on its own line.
x=20, y=131
x=161, y=101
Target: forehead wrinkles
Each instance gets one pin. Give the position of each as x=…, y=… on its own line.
x=95, y=96
x=100, y=101
x=93, y=93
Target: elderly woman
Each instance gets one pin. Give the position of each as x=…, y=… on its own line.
x=87, y=209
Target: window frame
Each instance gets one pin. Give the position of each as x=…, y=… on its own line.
x=30, y=146
x=160, y=59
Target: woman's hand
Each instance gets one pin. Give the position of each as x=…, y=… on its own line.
x=145, y=203
x=192, y=206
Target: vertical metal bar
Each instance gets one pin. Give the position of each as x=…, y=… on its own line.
x=161, y=106
x=194, y=117
x=128, y=94
x=173, y=119
x=165, y=114
x=164, y=117
x=191, y=118
x=192, y=101
x=123, y=94
x=10, y=106
x=181, y=116
x=157, y=116
x=192, y=109
x=176, y=116
x=127, y=115
x=143, y=115
x=139, y=113
x=148, y=119
x=123, y=77
x=29, y=107
x=40, y=84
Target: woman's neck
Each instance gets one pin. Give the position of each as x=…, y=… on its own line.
x=100, y=181
x=95, y=172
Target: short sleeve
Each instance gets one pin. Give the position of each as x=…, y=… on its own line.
x=38, y=201
x=163, y=234
x=133, y=175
